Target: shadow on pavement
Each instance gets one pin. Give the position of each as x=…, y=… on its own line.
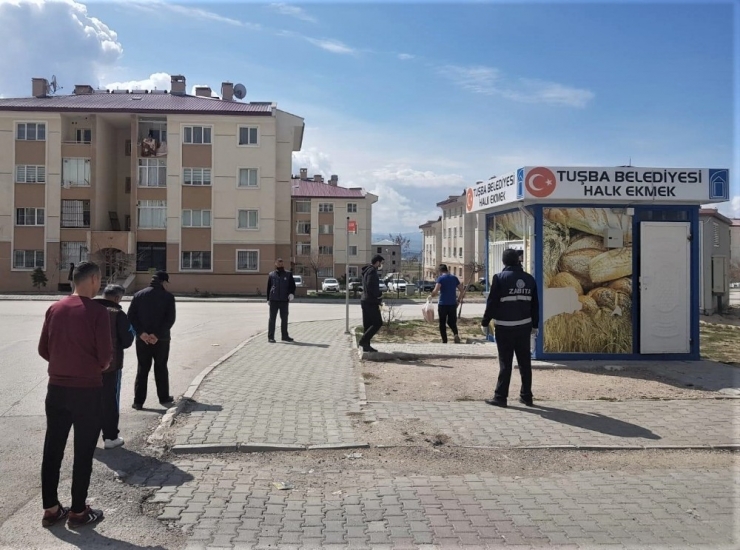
x=194, y=406
x=306, y=344
x=89, y=539
x=148, y=470
x=593, y=421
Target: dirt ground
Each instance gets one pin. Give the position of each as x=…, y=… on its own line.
x=419, y=332
x=474, y=379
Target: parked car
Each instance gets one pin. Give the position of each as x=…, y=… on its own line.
x=479, y=286
x=425, y=286
x=397, y=285
x=355, y=284
x=383, y=287
x=330, y=285
x=298, y=280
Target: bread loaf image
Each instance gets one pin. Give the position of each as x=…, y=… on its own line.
x=586, y=241
x=610, y=298
x=563, y=280
x=611, y=265
x=622, y=285
x=578, y=261
x=589, y=304
x=553, y=247
x=591, y=220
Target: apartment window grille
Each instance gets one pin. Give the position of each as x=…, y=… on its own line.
x=75, y=213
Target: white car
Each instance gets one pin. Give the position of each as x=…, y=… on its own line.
x=383, y=287
x=397, y=285
x=298, y=280
x=330, y=285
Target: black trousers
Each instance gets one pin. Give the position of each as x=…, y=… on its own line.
x=111, y=403
x=511, y=341
x=146, y=353
x=372, y=320
x=276, y=307
x=447, y=316
x=67, y=407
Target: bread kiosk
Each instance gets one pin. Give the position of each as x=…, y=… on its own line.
x=614, y=250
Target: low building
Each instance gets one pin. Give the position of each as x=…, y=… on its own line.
x=432, y=248
x=459, y=231
x=735, y=251
x=391, y=252
x=714, y=250
x=320, y=212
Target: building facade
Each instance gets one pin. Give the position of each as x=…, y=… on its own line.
x=319, y=239
x=714, y=250
x=459, y=231
x=142, y=180
x=432, y=252
x=735, y=251
x=391, y=253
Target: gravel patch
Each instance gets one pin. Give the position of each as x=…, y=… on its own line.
x=474, y=379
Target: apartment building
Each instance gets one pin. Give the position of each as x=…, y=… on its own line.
x=319, y=239
x=432, y=253
x=142, y=180
x=391, y=253
x=459, y=235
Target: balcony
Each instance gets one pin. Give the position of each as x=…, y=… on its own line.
x=125, y=241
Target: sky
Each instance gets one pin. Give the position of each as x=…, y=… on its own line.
x=416, y=101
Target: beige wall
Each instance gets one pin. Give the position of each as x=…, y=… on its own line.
x=123, y=171
x=104, y=181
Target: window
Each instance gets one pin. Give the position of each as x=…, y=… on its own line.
x=29, y=216
x=379, y=250
x=83, y=135
x=28, y=259
x=455, y=232
x=31, y=131
x=326, y=207
x=76, y=172
x=454, y=252
x=25, y=173
x=75, y=213
x=328, y=250
x=353, y=251
x=152, y=172
x=197, y=135
x=248, y=135
x=353, y=271
x=196, y=176
x=303, y=228
x=152, y=214
x=73, y=253
x=303, y=207
x=461, y=252
x=444, y=251
x=461, y=231
x=151, y=256
x=325, y=272
x=303, y=249
x=196, y=260
x=247, y=260
x=352, y=207
x=196, y=218
x=393, y=253
x=248, y=177
x=248, y=219
x=326, y=229
x=127, y=185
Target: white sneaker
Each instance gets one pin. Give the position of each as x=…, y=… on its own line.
x=112, y=443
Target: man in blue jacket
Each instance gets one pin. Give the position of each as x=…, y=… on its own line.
x=514, y=307
x=280, y=292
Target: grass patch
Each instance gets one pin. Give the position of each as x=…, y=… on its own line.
x=720, y=343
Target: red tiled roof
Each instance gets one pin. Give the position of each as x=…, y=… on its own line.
x=309, y=189
x=135, y=103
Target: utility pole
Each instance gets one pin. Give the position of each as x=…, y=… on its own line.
x=346, y=280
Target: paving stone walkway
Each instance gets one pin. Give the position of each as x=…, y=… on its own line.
x=229, y=504
x=301, y=393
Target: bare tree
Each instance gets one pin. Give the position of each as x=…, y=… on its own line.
x=400, y=240
x=472, y=268
x=317, y=262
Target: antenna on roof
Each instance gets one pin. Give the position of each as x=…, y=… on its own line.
x=53, y=86
x=240, y=91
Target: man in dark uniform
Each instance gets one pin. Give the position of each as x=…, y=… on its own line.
x=280, y=291
x=371, y=301
x=513, y=305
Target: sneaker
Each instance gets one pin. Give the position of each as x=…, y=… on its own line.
x=168, y=402
x=271, y=340
x=137, y=406
x=287, y=339
x=497, y=402
x=528, y=402
x=369, y=349
x=50, y=518
x=87, y=516
x=457, y=339
x=112, y=443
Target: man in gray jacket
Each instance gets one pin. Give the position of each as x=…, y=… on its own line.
x=280, y=291
x=371, y=301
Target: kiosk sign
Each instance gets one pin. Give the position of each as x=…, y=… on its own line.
x=627, y=184
x=496, y=191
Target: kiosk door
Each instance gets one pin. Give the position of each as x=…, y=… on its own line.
x=665, y=283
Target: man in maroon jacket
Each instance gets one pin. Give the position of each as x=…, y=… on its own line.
x=76, y=341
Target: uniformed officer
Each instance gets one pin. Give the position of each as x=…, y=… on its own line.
x=280, y=291
x=513, y=305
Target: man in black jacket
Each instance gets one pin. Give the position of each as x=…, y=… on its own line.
x=371, y=301
x=514, y=307
x=152, y=314
x=122, y=336
x=280, y=291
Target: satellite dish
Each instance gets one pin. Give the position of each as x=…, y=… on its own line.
x=53, y=86
x=240, y=91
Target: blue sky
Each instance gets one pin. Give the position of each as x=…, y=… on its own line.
x=416, y=101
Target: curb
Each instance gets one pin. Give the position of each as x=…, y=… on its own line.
x=216, y=448
x=168, y=419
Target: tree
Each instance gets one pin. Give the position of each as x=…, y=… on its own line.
x=472, y=268
x=317, y=262
x=38, y=278
x=400, y=240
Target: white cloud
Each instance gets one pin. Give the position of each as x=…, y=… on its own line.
x=293, y=11
x=330, y=45
x=160, y=6
x=314, y=160
x=404, y=176
x=490, y=81
x=405, y=56
x=156, y=81
x=66, y=41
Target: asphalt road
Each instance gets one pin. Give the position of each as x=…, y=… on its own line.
x=204, y=332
